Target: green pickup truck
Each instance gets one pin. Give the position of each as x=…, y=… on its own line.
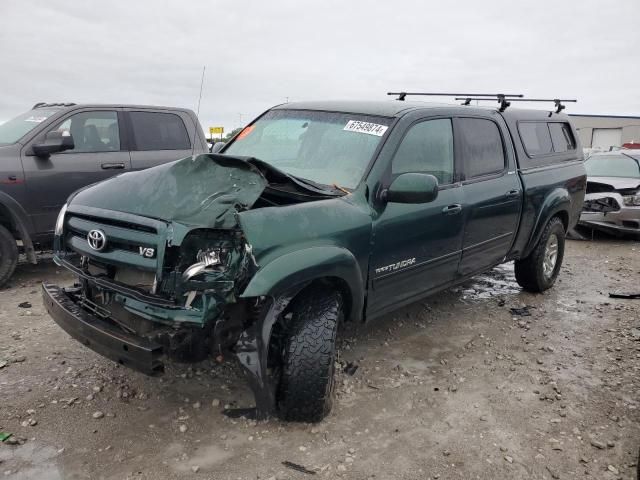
x=316, y=213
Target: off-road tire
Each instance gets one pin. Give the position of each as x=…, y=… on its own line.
x=306, y=389
x=530, y=271
x=8, y=255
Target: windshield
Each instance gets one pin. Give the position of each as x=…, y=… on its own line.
x=612, y=166
x=325, y=147
x=13, y=130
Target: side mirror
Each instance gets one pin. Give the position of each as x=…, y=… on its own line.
x=54, y=142
x=413, y=188
x=217, y=147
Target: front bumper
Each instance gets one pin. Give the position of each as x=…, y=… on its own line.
x=103, y=337
x=626, y=220
x=606, y=211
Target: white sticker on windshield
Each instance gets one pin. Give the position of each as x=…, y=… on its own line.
x=35, y=119
x=365, y=127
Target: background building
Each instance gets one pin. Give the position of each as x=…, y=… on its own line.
x=600, y=132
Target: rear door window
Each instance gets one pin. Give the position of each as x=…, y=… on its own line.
x=481, y=147
x=535, y=138
x=159, y=131
x=561, y=137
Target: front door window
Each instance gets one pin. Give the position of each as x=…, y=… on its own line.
x=427, y=148
x=92, y=132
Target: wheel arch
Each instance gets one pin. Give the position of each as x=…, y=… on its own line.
x=556, y=204
x=335, y=283
x=302, y=269
x=15, y=219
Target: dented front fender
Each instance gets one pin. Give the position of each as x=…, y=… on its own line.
x=304, y=266
x=296, y=244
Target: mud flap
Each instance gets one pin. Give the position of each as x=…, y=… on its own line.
x=252, y=350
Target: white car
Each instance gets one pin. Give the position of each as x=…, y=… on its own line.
x=612, y=202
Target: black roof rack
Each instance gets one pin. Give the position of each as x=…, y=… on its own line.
x=556, y=101
x=44, y=105
x=504, y=99
x=501, y=97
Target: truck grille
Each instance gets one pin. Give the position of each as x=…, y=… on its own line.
x=124, y=241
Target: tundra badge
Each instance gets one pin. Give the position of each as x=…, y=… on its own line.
x=395, y=266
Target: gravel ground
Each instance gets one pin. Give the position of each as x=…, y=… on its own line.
x=454, y=387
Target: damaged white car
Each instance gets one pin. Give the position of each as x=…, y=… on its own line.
x=612, y=202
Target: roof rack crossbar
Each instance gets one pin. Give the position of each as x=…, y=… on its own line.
x=403, y=95
x=503, y=100
x=556, y=101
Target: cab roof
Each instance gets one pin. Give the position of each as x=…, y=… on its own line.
x=397, y=108
x=75, y=106
x=384, y=108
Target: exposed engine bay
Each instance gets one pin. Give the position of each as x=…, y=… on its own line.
x=600, y=203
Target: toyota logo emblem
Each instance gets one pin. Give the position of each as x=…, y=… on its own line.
x=97, y=240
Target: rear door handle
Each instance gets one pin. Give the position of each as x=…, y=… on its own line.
x=512, y=193
x=452, y=209
x=112, y=166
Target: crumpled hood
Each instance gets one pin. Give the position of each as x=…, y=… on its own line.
x=616, y=183
x=204, y=190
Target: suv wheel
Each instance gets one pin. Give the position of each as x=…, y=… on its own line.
x=539, y=270
x=306, y=389
x=8, y=255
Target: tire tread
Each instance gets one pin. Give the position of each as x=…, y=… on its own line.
x=528, y=271
x=309, y=355
x=8, y=255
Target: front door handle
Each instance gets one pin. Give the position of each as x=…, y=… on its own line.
x=452, y=209
x=512, y=193
x=112, y=166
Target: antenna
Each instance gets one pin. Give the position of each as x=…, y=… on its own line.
x=195, y=124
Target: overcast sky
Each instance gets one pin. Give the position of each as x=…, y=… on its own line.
x=259, y=53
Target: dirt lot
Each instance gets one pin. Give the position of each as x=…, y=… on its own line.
x=456, y=387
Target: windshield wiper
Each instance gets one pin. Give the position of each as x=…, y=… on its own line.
x=334, y=189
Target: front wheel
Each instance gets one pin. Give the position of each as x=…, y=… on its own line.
x=8, y=255
x=307, y=385
x=539, y=270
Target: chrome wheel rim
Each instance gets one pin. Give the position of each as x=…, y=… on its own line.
x=550, y=256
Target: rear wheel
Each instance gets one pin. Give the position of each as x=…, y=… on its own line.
x=307, y=385
x=539, y=270
x=8, y=255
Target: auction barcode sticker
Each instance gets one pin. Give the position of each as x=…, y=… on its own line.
x=365, y=127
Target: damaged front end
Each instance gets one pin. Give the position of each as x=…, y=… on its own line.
x=161, y=263
x=600, y=203
x=610, y=207
x=186, y=308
